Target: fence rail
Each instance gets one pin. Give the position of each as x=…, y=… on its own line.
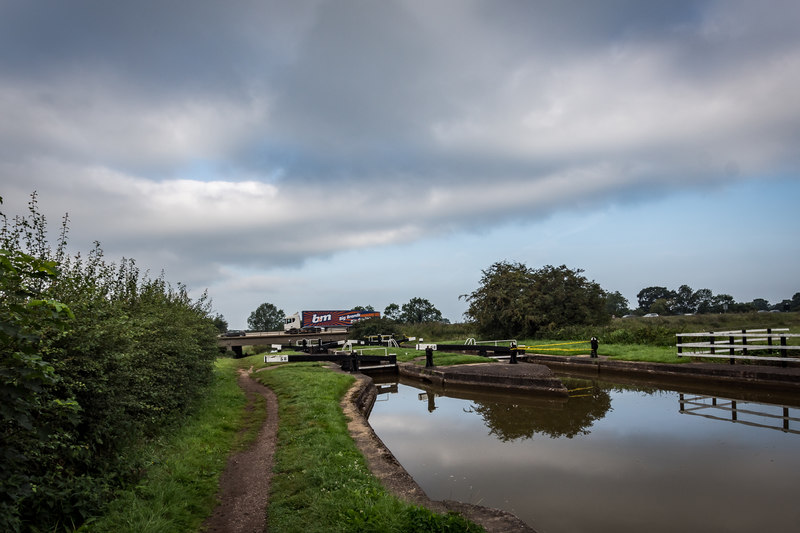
x=743, y=344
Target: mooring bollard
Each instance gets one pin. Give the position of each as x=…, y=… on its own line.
x=428, y=357
x=594, y=344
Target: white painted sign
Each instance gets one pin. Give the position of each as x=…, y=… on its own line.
x=276, y=358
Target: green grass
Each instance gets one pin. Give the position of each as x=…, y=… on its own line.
x=406, y=355
x=622, y=352
x=178, y=490
x=321, y=481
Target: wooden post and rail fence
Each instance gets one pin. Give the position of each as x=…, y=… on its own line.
x=742, y=344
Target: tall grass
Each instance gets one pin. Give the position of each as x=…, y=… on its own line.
x=178, y=488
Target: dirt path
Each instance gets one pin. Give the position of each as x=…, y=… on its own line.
x=244, y=484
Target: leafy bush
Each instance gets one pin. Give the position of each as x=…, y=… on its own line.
x=96, y=359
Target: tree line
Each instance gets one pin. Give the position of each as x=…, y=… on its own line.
x=96, y=360
x=515, y=300
x=685, y=300
x=268, y=317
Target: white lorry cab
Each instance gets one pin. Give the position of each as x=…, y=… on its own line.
x=292, y=323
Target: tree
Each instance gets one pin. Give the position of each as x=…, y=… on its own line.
x=363, y=308
x=760, y=304
x=683, y=300
x=722, y=303
x=220, y=323
x=649, y=295
x=560, y=296
x=266, y=317
x=392, y=312
x=419, y=310
x=661, y=307
x=794, y=304
x=616, y=304
x=497, y=306
x=516, y=300
x=702, y=300
x=375, y=326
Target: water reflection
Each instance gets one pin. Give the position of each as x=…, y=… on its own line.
x=763, y=416
x=612, y=457
x=512, y=421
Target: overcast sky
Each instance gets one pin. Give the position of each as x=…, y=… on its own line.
x=328, y=154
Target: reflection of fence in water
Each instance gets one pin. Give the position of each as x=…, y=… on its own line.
x=700, y=406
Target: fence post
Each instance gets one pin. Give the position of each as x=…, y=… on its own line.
x=680, y=348
x=731, y=352
x=783, y=350
x=769, y=340
x=744, y=342
x=712, y=343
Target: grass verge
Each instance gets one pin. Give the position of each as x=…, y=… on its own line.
x=321, y=481
x=183, y=467
x=623, y=352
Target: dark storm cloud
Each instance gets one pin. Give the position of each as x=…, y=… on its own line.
x=194, y=129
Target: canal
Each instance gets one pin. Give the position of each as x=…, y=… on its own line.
x=614, y=457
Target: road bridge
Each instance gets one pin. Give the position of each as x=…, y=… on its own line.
x=268, y=338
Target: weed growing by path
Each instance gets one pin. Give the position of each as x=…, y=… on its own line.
x=177, y=492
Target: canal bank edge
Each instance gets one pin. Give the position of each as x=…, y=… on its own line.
x=357, y=405
x=768, y=378
x=537, y=379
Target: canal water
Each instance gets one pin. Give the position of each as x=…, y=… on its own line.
x=612, y=458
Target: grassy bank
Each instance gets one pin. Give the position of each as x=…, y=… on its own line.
x=183, y=467
x=321, y=481
x=657, y=331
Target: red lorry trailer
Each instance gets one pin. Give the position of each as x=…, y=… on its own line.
x=308, y=321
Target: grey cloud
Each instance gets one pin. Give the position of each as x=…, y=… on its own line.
x=436, y=116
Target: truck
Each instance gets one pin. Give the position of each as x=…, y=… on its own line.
x=314, y=321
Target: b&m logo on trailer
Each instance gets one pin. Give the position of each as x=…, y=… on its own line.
x=328, y=319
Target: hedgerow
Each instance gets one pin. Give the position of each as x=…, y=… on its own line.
x=96, y=359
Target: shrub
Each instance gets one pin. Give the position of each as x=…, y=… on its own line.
x=96, y=359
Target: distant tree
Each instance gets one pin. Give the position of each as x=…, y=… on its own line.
x=760, y=304
x=498, y=305
x=616, y=304
x=375, y=326
x=419, y=310
x=363, y=308
x=702, y=301
x=722, y=303
x=514, y=300
x=266, y=317
x=392, y=312
x=794, y=304
x=683, y=301
x=560, y=296
x=649, y=295
x=661, y=307
x=220, y=323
